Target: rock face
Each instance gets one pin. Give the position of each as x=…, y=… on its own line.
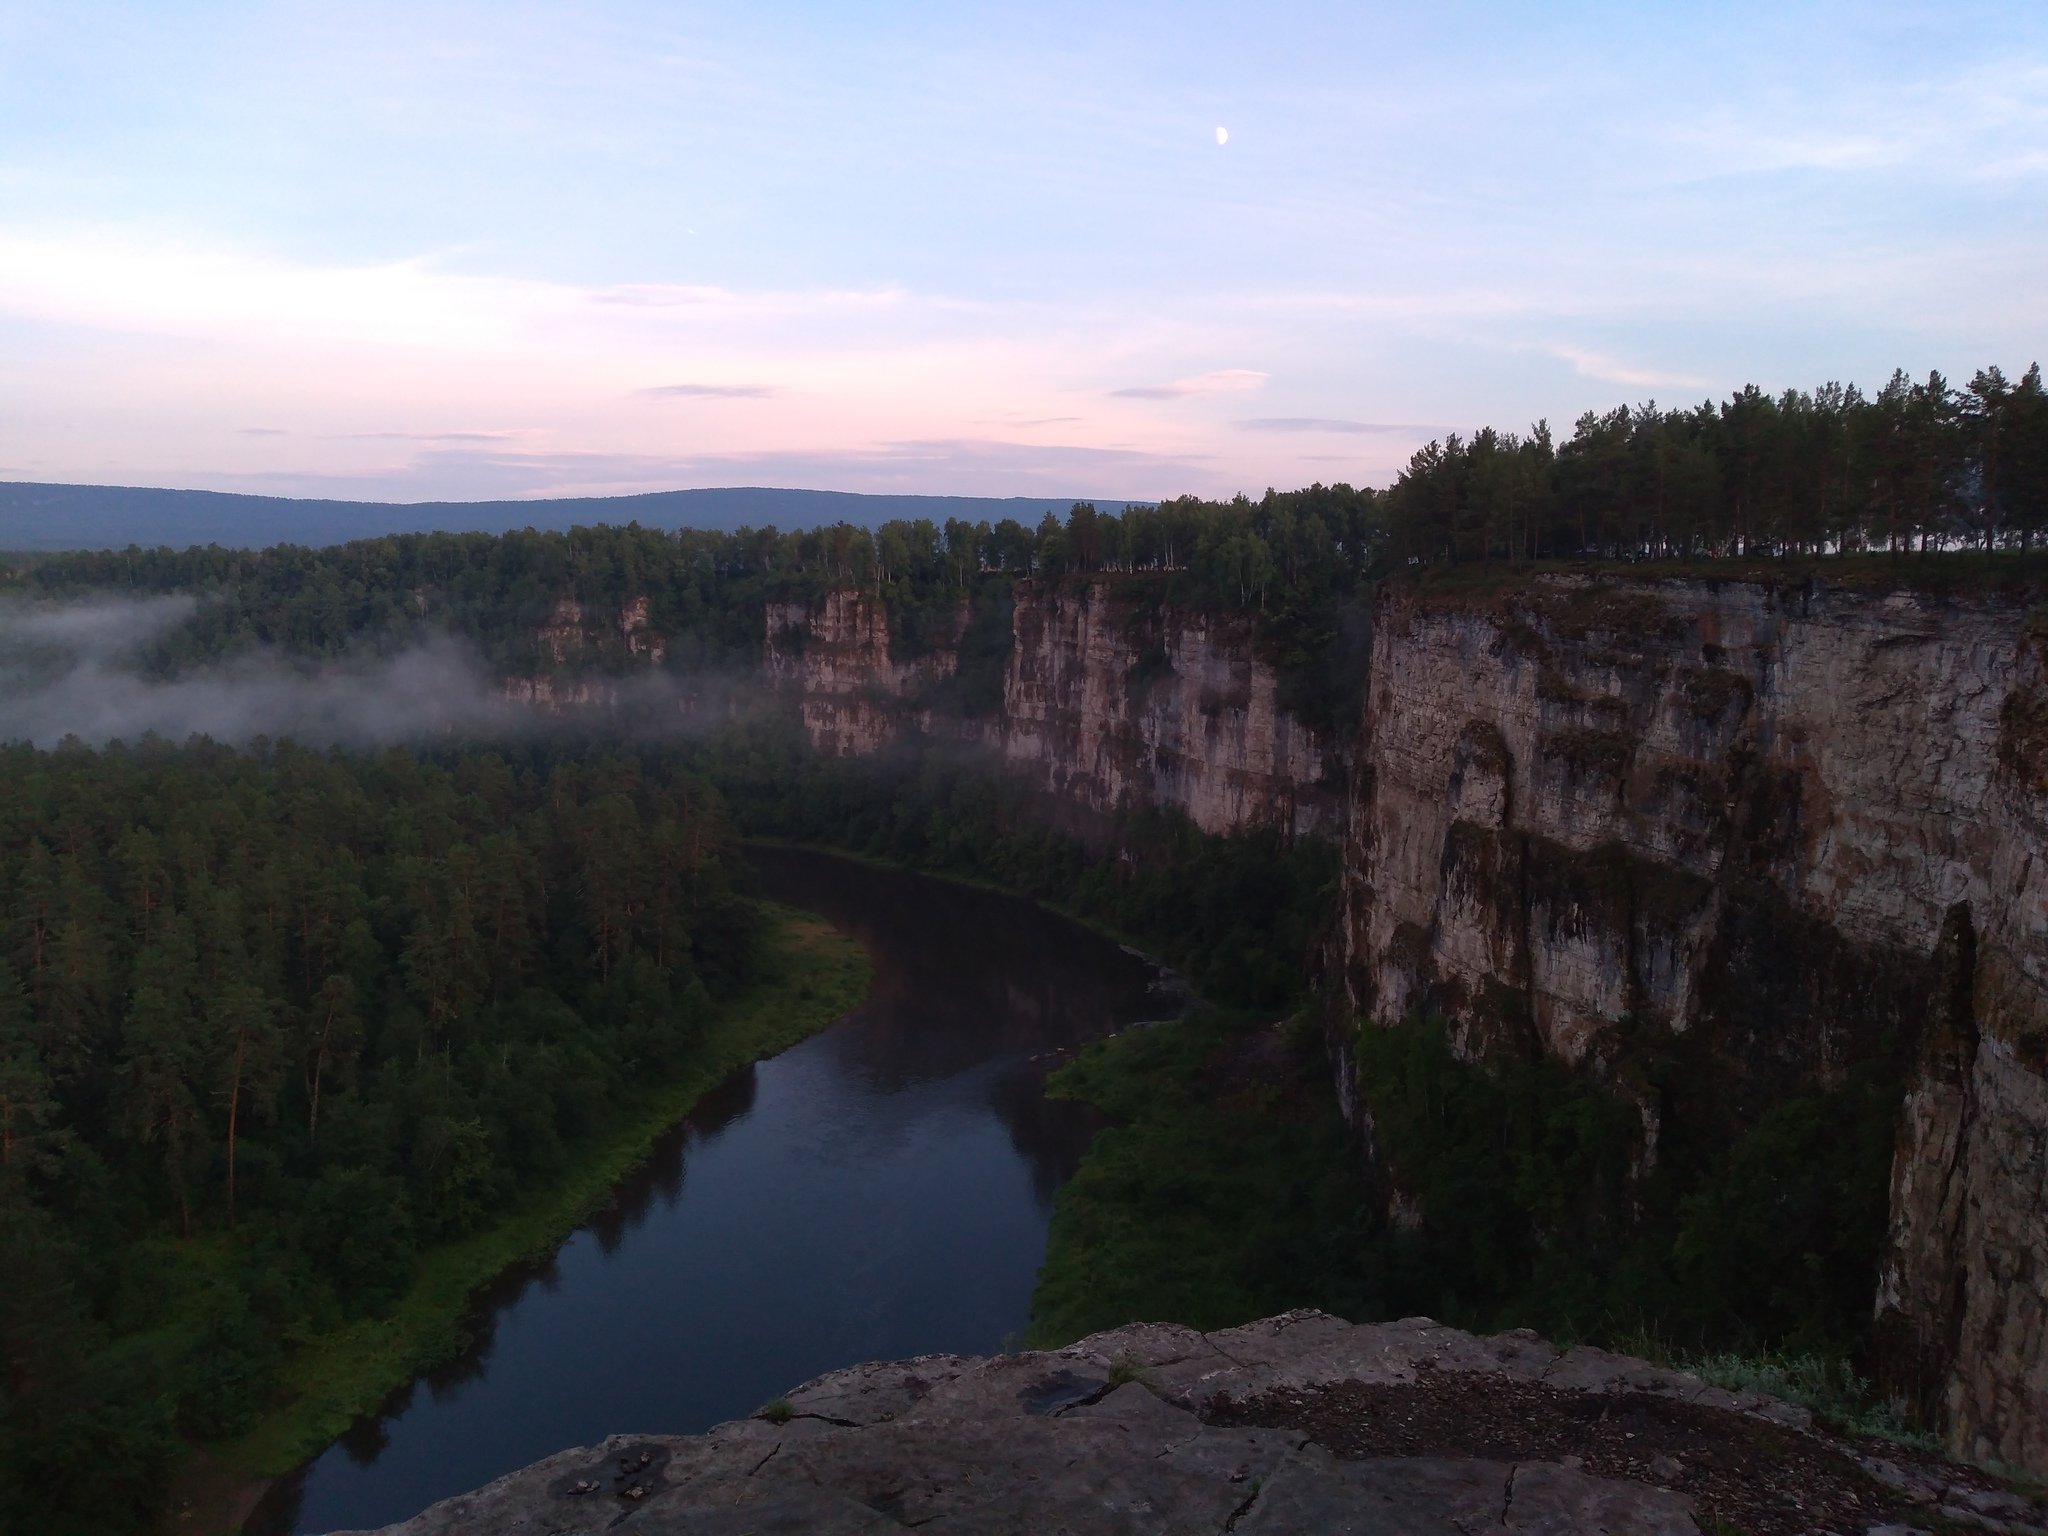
x=1104, y=1436
x=545, y=691
x=1105, y=702
x=835, y=660
x=576, y=636
x=1766, y=832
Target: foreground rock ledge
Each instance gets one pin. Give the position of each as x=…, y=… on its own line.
x=1114, y=1434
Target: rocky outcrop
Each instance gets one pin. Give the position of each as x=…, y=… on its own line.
x=1106, y=702
x=1767, y=832
x=1129, y=1431
x=582, y=657
x=577, y=633
x=544, y=691
x=562, y=636
x=641, y=640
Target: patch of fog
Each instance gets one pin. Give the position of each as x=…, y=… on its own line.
x=64, y=672
x=92, y=627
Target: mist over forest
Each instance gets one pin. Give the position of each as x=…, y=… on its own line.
x=70, y=670
x=83, y=669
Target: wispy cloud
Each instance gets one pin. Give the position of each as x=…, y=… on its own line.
x=662, y=296
x=714, y=391
x=1982, y=122
x=1590, y=364
x=1223, y=381
x=697, y=296
x=263, y=432
x=1333, y=424
x=426, y=437
x=133, y=279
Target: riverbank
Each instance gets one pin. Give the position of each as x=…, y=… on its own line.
x=1095, y=925
x=813, y=974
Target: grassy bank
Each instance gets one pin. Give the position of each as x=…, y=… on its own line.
x=812, y=975
x=1241, y=915
x=1094, y=925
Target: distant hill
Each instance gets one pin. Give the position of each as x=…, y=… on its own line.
x=45, y=517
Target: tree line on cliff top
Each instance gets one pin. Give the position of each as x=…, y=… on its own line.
x=1920, y=467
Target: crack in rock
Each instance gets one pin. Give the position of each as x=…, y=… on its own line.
x=1085, y=1402
x=1237, y=1514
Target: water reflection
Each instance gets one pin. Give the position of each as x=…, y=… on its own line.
x=880, y=1190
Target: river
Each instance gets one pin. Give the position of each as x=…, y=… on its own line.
x=880, y=1190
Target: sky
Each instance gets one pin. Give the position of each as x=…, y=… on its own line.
x=420, y=250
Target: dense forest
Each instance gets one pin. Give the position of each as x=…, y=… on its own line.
x=281, y=1019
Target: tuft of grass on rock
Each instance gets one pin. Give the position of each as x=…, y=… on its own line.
x=1125, y=1369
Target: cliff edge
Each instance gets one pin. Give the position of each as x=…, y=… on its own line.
x=1298, y=1423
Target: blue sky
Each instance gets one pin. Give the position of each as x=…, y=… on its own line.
x=406, y=251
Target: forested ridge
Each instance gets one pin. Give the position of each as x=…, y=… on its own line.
x=271, y=1022
x=1920, y=467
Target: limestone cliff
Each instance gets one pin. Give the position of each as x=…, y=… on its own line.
x=1763, y=831
x=1106, y=701
x=835, y=660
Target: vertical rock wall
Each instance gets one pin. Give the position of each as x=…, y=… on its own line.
x=1770, y=829
x=835, y=660
x=1106, y=702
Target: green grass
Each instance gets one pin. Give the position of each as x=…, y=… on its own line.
x=1127, y=1368
x=1826, y=1386
x=813, y=974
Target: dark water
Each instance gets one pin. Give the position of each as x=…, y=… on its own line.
x=880, y=1190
